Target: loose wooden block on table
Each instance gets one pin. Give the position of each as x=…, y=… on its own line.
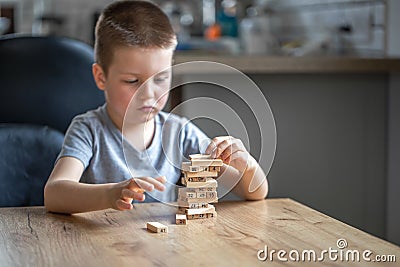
x=181, y=219
x=157, y=227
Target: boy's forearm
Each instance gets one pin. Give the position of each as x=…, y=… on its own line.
x=245, y=188
x=253, y=185
x=86, y=197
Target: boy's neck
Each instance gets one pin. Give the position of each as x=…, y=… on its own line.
x=141, y=135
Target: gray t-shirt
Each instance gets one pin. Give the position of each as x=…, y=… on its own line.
x=107, y=157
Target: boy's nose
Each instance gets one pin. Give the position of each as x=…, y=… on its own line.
x=146, y=90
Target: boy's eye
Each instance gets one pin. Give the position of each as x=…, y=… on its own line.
x=161, y=79
x=131, y=81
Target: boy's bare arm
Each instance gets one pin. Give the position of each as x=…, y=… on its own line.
x=252, y=185
x=240, y=171
x=63, y=193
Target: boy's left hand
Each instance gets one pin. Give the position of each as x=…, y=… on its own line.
x=231, y=150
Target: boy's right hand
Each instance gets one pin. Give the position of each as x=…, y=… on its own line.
x=134, y=189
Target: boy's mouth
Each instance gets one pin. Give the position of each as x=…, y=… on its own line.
x=147, y=109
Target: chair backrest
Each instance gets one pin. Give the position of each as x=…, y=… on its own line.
x=46, y=80
x=27, y=157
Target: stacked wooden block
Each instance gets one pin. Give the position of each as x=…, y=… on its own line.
x=200, y=188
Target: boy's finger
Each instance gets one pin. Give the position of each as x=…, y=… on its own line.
x=224, y=145
x=161, y=179
x=210, y=148
x=236, y=146
x=139, y=197
x=215, y=142
x=141, y=183
x=123, y=205
x=157, y=184
x=128, y=194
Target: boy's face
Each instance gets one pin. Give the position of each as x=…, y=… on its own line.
x=128, y=78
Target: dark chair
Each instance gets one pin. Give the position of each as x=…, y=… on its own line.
x=46, y=80
x=27, y=157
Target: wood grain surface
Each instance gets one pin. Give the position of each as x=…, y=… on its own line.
x=33, y=237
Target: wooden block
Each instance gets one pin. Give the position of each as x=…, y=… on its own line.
x=192, y=205
x=196, y=216
x=202, y=216
x=200, y=156
x=214, y=169
x=209, y=209
x=181, y=219
x=201, y=194
x=209, y=183
x=203, y=205
x=182, y=191
x=187, y=167
x=183, y=181
x=201, y=174
x=212, y=215
x=207, y=162
x=211, y=195
x=196, y=179
x=191, y=195
x=181, y=210
x=187, y=195
x=157, y=227
x=200, y=189
x=198, y=200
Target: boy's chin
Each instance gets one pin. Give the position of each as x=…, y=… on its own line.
x=141, y=118
x=148, y=116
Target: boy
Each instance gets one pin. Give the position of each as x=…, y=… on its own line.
x=134, y=48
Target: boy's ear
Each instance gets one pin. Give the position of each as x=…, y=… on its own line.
x=99, y=76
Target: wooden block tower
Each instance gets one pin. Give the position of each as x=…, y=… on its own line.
x=200, y=188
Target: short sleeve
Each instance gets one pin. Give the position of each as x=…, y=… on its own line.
x=78, y=141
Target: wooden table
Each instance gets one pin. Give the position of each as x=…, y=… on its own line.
x=237, y=237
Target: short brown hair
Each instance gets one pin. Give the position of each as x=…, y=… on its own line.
x=131, y=24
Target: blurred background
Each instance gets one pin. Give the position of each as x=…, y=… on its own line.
x=328, y=68
x=279, y=27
